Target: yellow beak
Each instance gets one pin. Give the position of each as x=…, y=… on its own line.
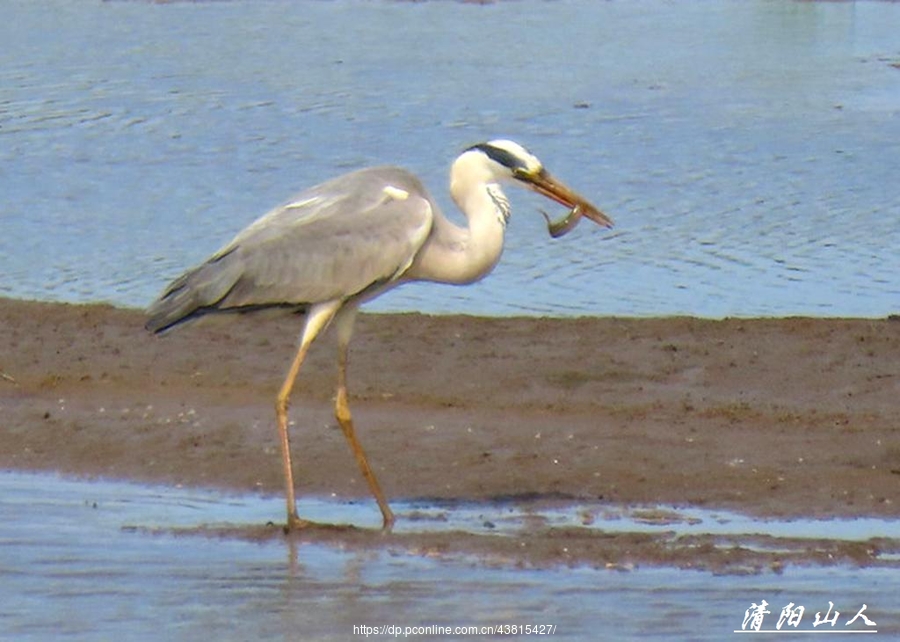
x=545, y=184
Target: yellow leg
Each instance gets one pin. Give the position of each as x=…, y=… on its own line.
x=317, y=320
x=342, y=414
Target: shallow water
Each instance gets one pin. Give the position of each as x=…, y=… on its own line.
x=747, y=150
x=94, y=560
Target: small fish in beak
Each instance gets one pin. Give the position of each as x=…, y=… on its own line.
x=546, y=185
x=564, y=225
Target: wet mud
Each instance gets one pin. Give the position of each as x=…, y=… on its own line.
x=785, y=419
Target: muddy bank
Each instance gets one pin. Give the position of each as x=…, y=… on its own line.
x=772, y=417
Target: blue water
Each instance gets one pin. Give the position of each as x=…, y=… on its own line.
x=99, y=561
x=748, y=150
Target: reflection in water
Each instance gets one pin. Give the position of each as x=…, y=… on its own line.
x=746, y=150
x=76, y=567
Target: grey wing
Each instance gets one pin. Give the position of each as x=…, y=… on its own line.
x=331, y=242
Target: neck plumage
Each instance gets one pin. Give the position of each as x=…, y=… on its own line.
x=462, y=255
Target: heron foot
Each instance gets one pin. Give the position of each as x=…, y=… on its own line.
x=295, y=523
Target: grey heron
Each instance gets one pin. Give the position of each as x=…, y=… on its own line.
x=349, y=239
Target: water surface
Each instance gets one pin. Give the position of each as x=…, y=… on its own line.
x=94, y=561
x=747, y=150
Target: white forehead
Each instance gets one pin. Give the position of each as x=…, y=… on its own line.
x=530, y=161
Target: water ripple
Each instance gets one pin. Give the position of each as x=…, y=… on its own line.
x=134, y=144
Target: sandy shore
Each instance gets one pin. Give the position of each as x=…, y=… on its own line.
x=772, y=417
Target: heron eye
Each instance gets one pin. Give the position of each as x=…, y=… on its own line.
x=521, y=173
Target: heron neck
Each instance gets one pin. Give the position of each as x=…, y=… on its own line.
x=487, y=211
x=454, y=254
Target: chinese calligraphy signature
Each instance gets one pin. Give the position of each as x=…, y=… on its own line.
x=792, y=614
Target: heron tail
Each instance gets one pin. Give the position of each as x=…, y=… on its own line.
x=194, y=293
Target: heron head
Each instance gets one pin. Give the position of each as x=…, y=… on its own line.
x=508, y=159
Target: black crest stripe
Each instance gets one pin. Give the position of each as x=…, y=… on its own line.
x=501, y=156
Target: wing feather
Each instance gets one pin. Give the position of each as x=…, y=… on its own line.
x=331, y=242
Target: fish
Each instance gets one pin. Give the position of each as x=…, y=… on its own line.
x=564, y=225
